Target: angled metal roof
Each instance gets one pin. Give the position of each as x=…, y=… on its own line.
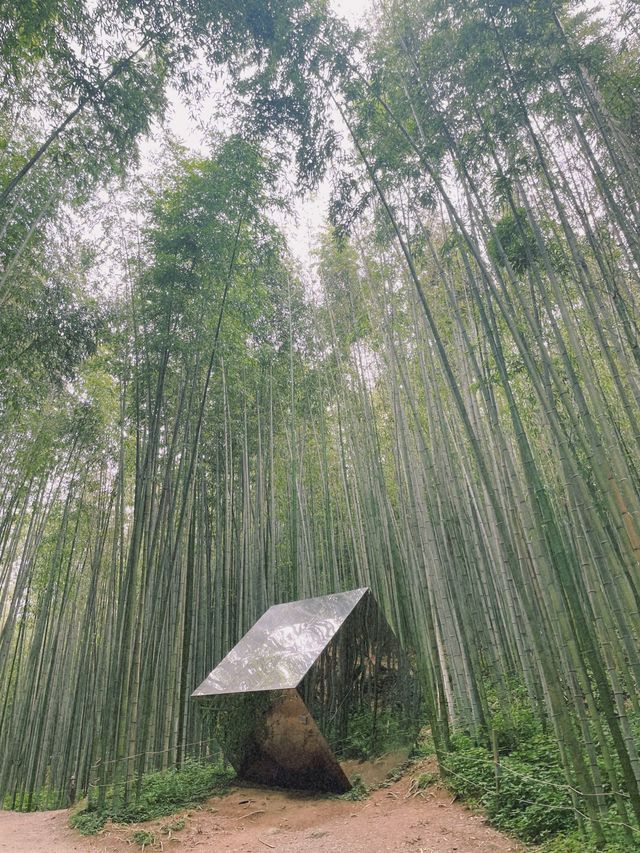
x=281, y=647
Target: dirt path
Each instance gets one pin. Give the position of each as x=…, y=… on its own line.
x=256, y=820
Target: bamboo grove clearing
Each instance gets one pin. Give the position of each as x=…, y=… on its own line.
x=442, y=404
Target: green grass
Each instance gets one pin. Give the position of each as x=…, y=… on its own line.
x=143, y=838
x=425, y=780
x=160, y=794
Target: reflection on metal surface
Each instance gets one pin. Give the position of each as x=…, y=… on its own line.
x=272, y=739
x=361, y=690
x=277, y=652
x=314, y=683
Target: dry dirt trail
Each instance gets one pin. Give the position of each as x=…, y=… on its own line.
x=257, y=820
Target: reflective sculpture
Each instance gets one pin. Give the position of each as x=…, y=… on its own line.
x=314, y=687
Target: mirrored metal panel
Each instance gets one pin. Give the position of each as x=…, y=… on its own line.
x=270, y=737
x=362, y=691
x=317, y=691
x=277, y=652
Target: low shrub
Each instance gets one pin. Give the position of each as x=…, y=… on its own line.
x=425, y=780
x=159, y=794
x=577, y=842
x=143, y=838
x=359, y=790
x=88, y=822
x=530, y=802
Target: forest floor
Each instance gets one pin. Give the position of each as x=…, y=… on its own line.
x=394, y=819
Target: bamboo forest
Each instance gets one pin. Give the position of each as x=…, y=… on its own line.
x=434, y=392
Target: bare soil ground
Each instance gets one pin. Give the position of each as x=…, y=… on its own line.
x=394, y=819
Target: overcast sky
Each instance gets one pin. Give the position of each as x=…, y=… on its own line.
x=310, y=213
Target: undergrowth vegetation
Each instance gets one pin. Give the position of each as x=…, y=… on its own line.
x=358, y=790
x=143, y=838
x=524, y=792
x=527, y=800
x=159, y=794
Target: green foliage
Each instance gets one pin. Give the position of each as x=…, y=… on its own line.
x=517, y=727
x=514, y=241
x=425, y=745
x=530, y=807
x=368, y=737
x=531, y=801
x=49, y=325
x=88, y=822
x=239, y=721
x=143, y=838
x=167, y=791
x=160, y=794
x=358, y=791
x=584, y=842
x=424, y=780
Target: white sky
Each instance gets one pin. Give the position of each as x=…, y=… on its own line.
x=352, y=10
